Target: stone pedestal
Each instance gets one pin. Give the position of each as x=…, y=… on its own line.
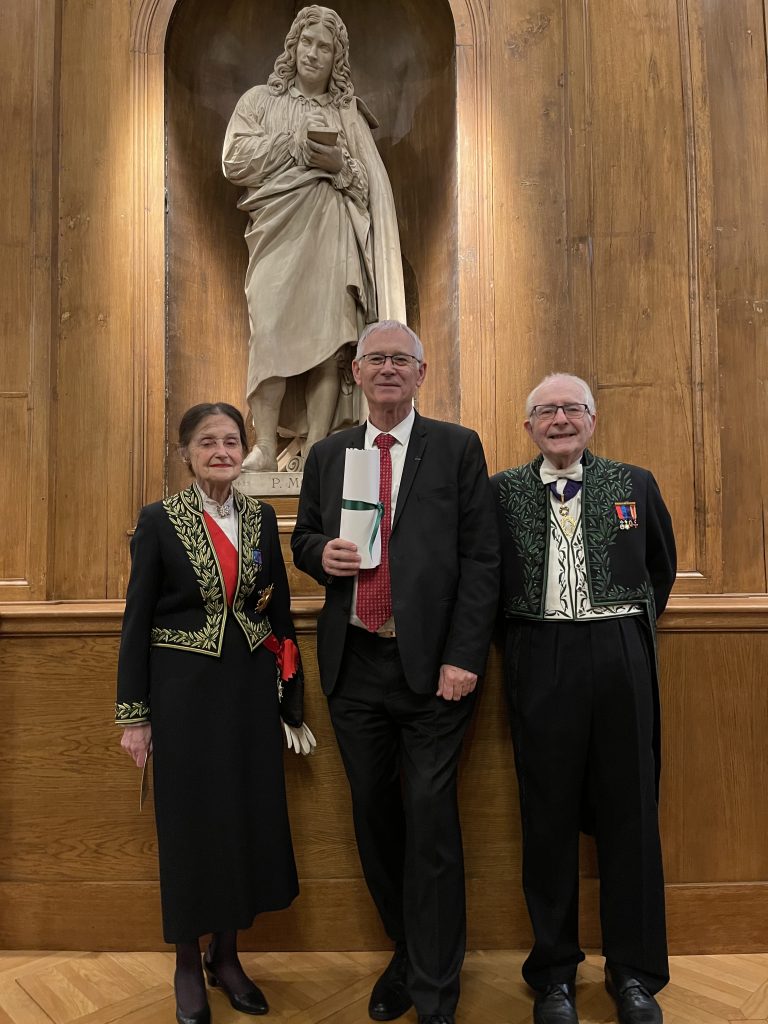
x=268, y=485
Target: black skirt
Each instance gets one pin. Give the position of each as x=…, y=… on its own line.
x=223, y=835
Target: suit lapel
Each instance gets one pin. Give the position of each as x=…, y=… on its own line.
x=359, y=436
x=416, y=445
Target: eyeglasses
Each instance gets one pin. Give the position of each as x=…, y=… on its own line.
x=573, y=410
x=399, y=359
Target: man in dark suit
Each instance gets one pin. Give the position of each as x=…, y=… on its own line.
x=588, y=561
x=400, y=650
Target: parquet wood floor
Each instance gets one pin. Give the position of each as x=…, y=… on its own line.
x=309, y=988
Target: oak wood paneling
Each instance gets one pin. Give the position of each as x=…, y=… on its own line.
x=528, y=129
x=69, y=795
x=14, y=430
x=735, y=46
x=95, y=399
x=640, y=276
x=715, y=757
x=27, y=62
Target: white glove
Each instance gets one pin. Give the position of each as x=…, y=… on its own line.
x=300, y=739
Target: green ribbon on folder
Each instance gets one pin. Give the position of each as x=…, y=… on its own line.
x=366, y=506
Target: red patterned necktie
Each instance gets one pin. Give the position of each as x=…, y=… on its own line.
x=374, y=596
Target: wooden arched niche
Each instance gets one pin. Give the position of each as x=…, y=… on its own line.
x=403, y=58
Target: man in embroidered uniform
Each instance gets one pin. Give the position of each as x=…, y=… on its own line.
x=400, y=648
x=588, y=561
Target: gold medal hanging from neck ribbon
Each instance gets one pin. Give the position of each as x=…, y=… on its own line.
x=567, y=522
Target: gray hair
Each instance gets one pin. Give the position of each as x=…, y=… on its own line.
x=390, y=325
x=588, y=396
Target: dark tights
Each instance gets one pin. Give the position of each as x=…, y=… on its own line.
x=221, y=958
x=188, y=979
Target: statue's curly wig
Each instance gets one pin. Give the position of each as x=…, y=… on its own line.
x=340, y=84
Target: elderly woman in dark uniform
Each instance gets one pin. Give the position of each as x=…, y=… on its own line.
x=208, y=668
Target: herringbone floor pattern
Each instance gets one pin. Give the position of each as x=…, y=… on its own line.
x=309, y=988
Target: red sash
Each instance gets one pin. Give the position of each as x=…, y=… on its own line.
x=226, y=552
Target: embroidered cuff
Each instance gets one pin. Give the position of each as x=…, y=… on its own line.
x=135, y=713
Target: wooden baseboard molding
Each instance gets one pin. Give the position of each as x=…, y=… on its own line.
x=333, y=914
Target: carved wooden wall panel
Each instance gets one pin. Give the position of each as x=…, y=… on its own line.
x=641, y=332
x=604, y=253
x=734, y=44
x=530, y=266
x=26, y=248
x=75, y=838
x=92, y=505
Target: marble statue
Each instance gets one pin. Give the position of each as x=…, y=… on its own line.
x=323, y=245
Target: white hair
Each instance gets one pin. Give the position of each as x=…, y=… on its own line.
x=390, y=325
x=550, y=379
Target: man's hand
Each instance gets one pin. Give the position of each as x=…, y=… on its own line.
x=455, y=683
x=137, y=741
x=340, y=558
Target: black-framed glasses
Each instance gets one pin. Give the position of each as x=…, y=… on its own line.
x=573, y=410
x=400, y=359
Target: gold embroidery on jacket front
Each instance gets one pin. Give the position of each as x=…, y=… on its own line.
x=249, y=569
x=191, y=531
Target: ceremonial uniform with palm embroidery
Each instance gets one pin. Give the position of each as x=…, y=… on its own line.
x=580, y=601
x=204, y=623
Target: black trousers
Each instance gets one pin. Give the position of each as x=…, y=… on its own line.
x=401, y=751
x=582, y=708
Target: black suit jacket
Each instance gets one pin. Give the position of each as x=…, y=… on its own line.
x=443, y=551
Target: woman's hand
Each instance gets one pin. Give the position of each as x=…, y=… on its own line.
x=137, y=741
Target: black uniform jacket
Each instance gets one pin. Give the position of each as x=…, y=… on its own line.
x=443, y=551
x=176, y=596
x=635, y=564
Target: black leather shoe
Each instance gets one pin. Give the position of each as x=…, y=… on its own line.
x=634, y=1002
x=389, y=998
x=201, y=1017
x=556, y=1005
x=253, y=1001
x=436, y=1018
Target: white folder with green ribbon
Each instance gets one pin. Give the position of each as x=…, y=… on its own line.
x=361, y=510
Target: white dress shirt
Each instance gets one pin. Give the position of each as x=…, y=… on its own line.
x=227, y=523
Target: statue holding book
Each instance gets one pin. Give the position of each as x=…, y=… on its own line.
x=323, y=245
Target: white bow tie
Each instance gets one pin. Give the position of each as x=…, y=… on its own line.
x=549, y=474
